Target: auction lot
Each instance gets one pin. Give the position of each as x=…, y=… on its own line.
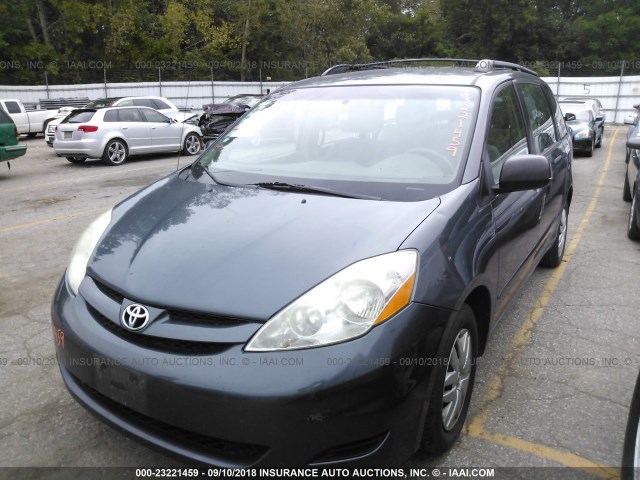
x=552, y=390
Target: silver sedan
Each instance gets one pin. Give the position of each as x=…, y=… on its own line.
x=113, y=134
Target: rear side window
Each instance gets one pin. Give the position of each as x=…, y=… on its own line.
x=111, y=116
x=79, y=117
x=12, y=107
x=537, y=110
x=4, y=118
x=126, y=103
x=130, y=115
x=507, y=136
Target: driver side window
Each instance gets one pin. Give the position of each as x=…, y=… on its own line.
x=507, y=136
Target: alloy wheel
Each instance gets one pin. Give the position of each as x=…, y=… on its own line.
x=117, y=152
x=456, y=380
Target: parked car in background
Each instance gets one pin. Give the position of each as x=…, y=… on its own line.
x=116, y=133
x=595, y=105
x=161, y=104
x=29, y=122
x=348, y=268
x=633, y=184
x=217, y=117
x=581, y=122
x=10, y=148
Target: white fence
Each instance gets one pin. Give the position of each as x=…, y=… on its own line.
x=183, y=94
x=617, y=94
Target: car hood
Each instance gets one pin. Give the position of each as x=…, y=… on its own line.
x=240, y=251
x=577, y=125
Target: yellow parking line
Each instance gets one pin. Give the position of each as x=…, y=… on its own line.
x=21, y=226
x=564, y=458
x=494, y=388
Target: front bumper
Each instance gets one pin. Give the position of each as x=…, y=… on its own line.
x=362, y=402
x=582, y=144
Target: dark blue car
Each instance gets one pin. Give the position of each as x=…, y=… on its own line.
x=316, y=287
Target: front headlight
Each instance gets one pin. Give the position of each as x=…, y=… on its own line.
x=344, y=306
x=583, y=134
x=82, y=251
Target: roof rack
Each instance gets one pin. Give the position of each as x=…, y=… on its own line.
x=490, y=65
x=482, y=66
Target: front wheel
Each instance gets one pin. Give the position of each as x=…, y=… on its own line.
x=192, y=144
x=553, y=257
x=633, y=231
x=451, y=395
x=599, y=144
x=115, y=153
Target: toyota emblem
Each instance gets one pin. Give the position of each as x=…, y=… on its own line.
x=135, y=317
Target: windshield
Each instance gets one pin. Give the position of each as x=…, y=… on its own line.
x=392, y=142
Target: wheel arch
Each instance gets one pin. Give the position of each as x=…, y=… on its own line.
x=479, y=299
x=109, y=140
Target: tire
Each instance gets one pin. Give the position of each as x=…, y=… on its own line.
x=599, y=144
x=554, y=255
x=633, y=231
x=626, y=188
x=631, y=447
x=589, y=153
x=192, y=144
x=76, y=159
x=32, y=135
x=453, y=384
x=115, y=153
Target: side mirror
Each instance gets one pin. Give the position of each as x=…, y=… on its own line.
x=524, y=172
x=569, y=117
x=634, y=142
x=630, y=120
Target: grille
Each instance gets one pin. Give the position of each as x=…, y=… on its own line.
x=168, y=345
x=183, y=316
x=243, y=453
x=109, y=292
x=179, y=316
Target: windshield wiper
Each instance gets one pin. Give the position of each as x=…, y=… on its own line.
x=289, y=187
